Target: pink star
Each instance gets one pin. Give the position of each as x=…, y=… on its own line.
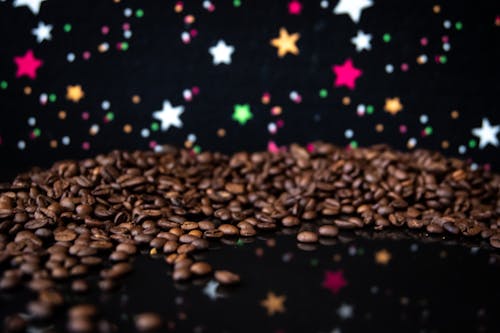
x=27, y=65
x=334, y=281
x=346, y=74
x=294, y=7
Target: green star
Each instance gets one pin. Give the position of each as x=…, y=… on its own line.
x=242, y=113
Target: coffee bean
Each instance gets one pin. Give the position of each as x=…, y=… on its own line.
x=65, y=235
x=79, y=286
x=76, y=216
x=81, y=311
x=307, y=237
x=145, y=322
x=328, y=230
x=200, y=268
x=80, y=325
x=229, y=229
x=226, y=277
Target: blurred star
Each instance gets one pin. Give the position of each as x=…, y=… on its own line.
x=42, y=32
x=346, y=74
x=169, y=115
x=74, y=93
x=33, y=5
x=27, y=65
x=334, y=281
x=393, y=105
x=352, y=7
x=274, y=303
x=487, y=134
x=285, y=43
x=221, y=53
x=242, y=113
x=362, y=41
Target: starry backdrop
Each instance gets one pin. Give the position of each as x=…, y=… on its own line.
x=81, y=78
x=78, y=78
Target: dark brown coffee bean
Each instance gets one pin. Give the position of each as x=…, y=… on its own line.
x=229, y=230
x=65, y=235
x=80, y=325
x=181, y=274
x=145, y=322
x=328, y=230
x=79, y=286
x=200, y=268
x=51, y=297
x=226, y=277
x=127, y=248
x=307, y=237
x=82, y=311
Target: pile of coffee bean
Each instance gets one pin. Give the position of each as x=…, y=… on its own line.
x=60, y=224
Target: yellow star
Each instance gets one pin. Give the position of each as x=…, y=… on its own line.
x=74, y=93
x=286, y=43
x=383, y=257
x=393, y=105
x=273, y=303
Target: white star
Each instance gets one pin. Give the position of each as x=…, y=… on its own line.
x=362, y=41
x=42, y=32
x=33, y=5
x=345, y=311
x=221, y=52
x=211, y=289
x=487, y=134
x=169, y=115
x=352, y=7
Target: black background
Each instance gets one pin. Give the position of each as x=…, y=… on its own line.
x=449, y=287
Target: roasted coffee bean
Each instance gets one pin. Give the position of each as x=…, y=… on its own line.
x=82, y=311
x=65, y=235
x=226, y=277
x=200, y=268
x=328, y=230
x=148, y=321
x=80, y=325
x=307, y=237
x=181, y=274
x=75, y=217
x=79, y=286
x=229, y=230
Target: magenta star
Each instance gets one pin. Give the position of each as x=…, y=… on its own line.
x=27, y=65
x=346, y=74
x=294, y=7
x=334, y=281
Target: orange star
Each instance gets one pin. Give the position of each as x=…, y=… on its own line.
x=74, y=93
x=382, y=257
x=273, y=303
x=393, y=105
x=286, y=43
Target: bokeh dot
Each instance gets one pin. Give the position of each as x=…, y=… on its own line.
x=136, y=99
x=379, y=128
x=127, y=128
x=221, y=132
x=445, y=144
x=62, y=114
x=454, y=114
x=346, y=100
